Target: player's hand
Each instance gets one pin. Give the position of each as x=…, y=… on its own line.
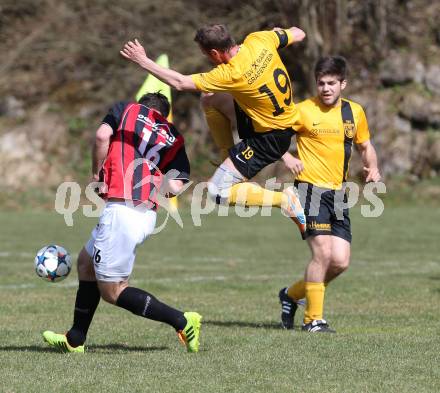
x=372, y=174
x=134, y=51
x=295, y=165
x=298, y=34
x=98, y=185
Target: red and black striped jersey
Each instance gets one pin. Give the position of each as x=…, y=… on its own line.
x=143, y=149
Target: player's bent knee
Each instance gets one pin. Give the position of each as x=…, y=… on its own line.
x=109, y=297
x=110, y=291
x=340, y=265
x=219, y=186
x=212, y=191
x=216, y=194
x=206, y=100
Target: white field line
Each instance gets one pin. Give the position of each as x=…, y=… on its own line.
x=8, y=254
x=140, y=265
x=30, y=256
x=208, y=278
x=74, y=283
x=25, y=255
x=143, y=263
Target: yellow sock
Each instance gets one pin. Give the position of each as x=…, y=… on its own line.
x=251, y=194
x=315, y=301
x=220, y=128
x=297, y=291
x=174, y=203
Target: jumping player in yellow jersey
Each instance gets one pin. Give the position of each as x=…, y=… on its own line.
x=260, y=101
x=330, y=126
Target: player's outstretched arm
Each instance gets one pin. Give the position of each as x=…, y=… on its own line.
x=369, y=159
x=134, y=51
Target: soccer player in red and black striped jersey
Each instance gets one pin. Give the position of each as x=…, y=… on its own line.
x=144, y=145
x=137, y=154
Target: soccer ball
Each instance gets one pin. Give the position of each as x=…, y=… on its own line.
x=53, y=263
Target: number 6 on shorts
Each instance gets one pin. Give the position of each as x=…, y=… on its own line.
x=97, y=256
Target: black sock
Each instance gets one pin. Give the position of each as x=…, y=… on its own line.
x=146, y=305
x=87, y=299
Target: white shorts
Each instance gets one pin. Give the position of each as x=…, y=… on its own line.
x=113, y=242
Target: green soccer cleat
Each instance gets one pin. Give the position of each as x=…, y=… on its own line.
x=191, y=333
x=59, y=341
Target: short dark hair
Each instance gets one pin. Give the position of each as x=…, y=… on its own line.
x=214, y=37
x=331, y=65
x=156, y=101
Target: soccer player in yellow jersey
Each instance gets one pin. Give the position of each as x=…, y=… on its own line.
x=324, y=142
x=260, y=100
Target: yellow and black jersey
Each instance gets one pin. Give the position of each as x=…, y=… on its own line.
x=258, y=81
x=325, y=140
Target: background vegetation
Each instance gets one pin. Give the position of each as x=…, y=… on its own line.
x=61, y=70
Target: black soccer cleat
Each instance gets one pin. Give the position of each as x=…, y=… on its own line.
x=317, y=326
x=288, y=309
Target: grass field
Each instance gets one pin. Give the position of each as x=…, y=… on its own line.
x=386, y=310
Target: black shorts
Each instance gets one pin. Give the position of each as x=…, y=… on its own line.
x=257, y=149
x=323, y=213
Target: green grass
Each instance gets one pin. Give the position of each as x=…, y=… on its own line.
x=385, y=308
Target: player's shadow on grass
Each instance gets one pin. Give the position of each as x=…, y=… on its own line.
x=255, y=325
x=107, y=348
x=122, y=347
x=25, y=348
